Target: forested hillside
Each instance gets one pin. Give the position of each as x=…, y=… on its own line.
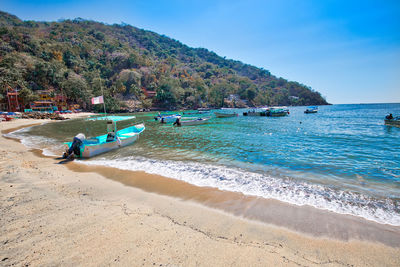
x=79, y=57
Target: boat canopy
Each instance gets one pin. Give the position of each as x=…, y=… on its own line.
x=111, y=118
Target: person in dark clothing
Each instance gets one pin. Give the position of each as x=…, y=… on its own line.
x=110, y=137
x=389, y=117
x=177, y=122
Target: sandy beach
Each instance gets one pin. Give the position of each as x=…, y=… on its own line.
x=64, y=214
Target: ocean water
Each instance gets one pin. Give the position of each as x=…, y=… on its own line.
x=342, y=159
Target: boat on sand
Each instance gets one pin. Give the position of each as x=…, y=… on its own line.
x=86, y=148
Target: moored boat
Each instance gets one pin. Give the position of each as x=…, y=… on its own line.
x=114, y=139
x=392, y=121
x=225, y=115
x=197, y=121
x=277, y=112
x=167, y=118
x=87, y=148
x=255, y=112
x=5, y=118
x=310, y=110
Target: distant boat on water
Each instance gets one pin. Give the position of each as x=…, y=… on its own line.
x=167, y=118
x=268, y=112
x=225, y=115
x=198, y=121
x=310, y=110
x=255, y=112
x=392, y=121
x=277, y=112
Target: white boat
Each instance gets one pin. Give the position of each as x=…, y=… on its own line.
x=225, y=115
x=114, y=139
x=91, y=147
x=167, y=118
x=277, y=112
x=255, y=112
x=310, y=110
x=198, y=121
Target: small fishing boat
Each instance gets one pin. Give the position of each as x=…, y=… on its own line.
x=392, y=121
x=310, y=110
x=197, y=121
x=225, y=115
x=255, y=112
x=87, y=148
x=167, y=118
x=6, y=118
x=277, y=112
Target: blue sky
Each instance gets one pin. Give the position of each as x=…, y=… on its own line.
x=347, y=50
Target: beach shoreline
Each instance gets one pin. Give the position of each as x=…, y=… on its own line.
x=57, y=215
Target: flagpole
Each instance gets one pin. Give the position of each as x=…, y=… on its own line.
x=102, y=93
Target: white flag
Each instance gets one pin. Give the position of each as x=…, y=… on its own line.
x=97, y=100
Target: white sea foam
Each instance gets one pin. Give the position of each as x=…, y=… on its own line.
x=384, y=211
x=49, y=146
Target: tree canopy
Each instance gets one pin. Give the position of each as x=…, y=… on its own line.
x=77, y=57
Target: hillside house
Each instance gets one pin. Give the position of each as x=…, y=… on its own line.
x=148, y=93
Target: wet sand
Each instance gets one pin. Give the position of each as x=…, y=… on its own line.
x=304, y=219
x=68, y=214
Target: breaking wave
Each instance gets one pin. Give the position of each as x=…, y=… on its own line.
x=49, y=146
x=380, y=210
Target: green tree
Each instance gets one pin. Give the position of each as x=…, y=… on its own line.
x=69, y=55
x=27, y=96
x=165, y=96
x=76, y=89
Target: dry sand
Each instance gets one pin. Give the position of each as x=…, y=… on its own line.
x=52, y=215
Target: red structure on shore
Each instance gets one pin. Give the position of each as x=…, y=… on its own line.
x=148, y=93
x=13, y=103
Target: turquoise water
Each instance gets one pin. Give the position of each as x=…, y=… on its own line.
x=343, y=158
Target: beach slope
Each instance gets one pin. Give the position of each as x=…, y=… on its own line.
x=51, y=215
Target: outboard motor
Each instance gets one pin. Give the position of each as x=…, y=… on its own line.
x=75, y=148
